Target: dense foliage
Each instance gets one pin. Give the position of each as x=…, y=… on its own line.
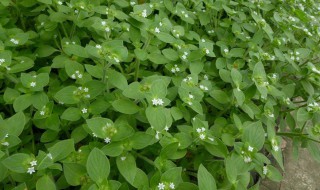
x=172, y=94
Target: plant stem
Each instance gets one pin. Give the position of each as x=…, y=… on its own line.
x=144, y=158
x=138, y=60
x=298, y=135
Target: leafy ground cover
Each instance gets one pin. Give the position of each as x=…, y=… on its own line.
x=172, y=94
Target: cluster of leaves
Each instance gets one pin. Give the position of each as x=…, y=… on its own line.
x=171, y=94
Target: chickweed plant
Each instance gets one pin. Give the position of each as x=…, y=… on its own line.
x=155, y=94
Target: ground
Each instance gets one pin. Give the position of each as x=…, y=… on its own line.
x=301, y=174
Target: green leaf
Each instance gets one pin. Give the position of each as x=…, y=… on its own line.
x=95, y=71
x=45, y=182
x=22, y=102
x=156, y=117
x=236, y=76
x=125, y=106
x=240, y=97
x=45, y=50
x=127, y=167
x=117, y=79
x=205, y=179
x=165, y=37
x=220, y=96
x=98, y=165
x=48, y=2
x=74, y=173
x=66, y=96
x=274, y=174
x=17, y=162
x=303, y=115
x=259, y=72
x=170, y=54
x=16, y=124
x=10, y=95
x=71, y=114
x=74, y=49
x=236, y=52
x=141, y=140
x=254, y=135
x=133, y=91
x=99, y=126
x=172, y=175
x=62, y=149
x=141, y=54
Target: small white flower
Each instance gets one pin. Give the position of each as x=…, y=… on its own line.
x=76, y=11
x=185, y=53
x=5, y=143
x=206, y=77
x=59, y=2
x=116, y=59
x=98, y=46
x=107, y=29
x=173, y=70
x=275, y=148
x=6, y=136
x=198, y=130
x=203, y=40
x=2, y=61
x=157, y=134
x=103, y=23
x=203, y=129
x=161, y=186
x=132, y=3
x=86, y=89
x=211, y=139
x=247, y=159
x=166, y=128
x=160, y=23
x=84, y=110
x=155, y=101
x=151, y=6
x=123, y=158
x=157, y=30
x=186, y=15
x=31, y=170
x=160, y=101
x=14, y=41
x=94, y=135
x=144, y=13
x=82, y=7
x=33, y=163
x=50, y=156
x=191, y=96
x=79, y=76
x=250, y=148
x=202, y=136
x=271, y=115
x=265, y=170
x=42, y=112
x=226, y=50
x=207, y=51
x=171, y=185
x=190, y=103
x=73, y=43
x=107, y=140
x=184, y=57
x=33, y=84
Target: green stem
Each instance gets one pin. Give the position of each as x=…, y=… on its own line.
x=11, y=78
x=298, y=135
x=144, y=158
x=138, y=60
x=64, y=30
x=74, y=25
